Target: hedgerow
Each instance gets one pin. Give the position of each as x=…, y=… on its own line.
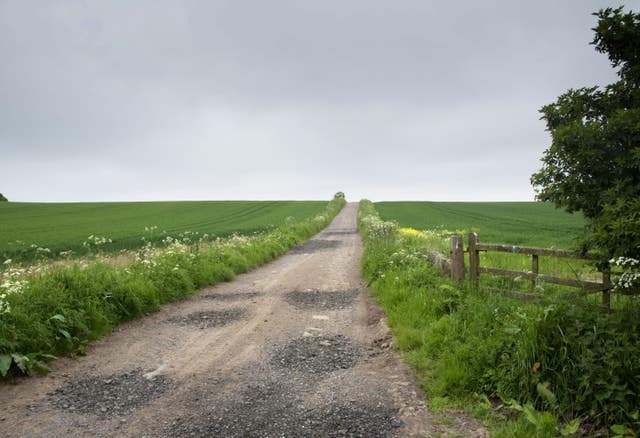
x=56, y=311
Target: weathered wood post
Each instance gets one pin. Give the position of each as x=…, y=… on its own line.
x=457, y=259
x=474, y=259
x=606, y=296
x=534, y=270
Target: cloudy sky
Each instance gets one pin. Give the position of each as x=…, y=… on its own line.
x=285, y=99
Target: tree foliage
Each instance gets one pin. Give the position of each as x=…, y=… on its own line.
x=2, y=198
x=593, y=163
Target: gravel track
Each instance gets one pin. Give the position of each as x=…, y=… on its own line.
x=209, y=318
x=320, y=300
x=103, y=396
x=309, y=355
x=231, y=296
x=317, y=354
x=312, y=246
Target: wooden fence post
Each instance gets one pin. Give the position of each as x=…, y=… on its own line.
x=474, y=259
x=534, y=270
x=606, y=296
x=457, y=259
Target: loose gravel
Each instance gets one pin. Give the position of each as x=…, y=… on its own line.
x=232, y=296
x=209, y=318
x=340, y=232
x=315, y=245
x=317, y=354
x=104, y=396
x=320, y=300
x=270, y=409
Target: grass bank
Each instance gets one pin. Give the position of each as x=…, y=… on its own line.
x=526, y=369
x=59, y=311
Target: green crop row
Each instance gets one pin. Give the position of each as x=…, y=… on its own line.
x=60, y=310
x=528, y=369
x=33, y=231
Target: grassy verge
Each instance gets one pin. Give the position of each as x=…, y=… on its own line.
x=526, y=369
x=59, y=311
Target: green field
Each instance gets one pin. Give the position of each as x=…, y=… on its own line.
x=65, y=226
x=514, y=223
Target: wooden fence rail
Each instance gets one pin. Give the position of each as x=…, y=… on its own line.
x=474, y=248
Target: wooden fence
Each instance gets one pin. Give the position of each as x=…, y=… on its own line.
x=455, y=266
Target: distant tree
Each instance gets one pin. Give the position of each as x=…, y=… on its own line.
x=2, y=198
x=593, y=163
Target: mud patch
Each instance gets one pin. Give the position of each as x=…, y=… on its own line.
x=116, y=394
x=315, y=245
x=317, y=354
x=319, y=300
x=232, y=296
x=208, y=318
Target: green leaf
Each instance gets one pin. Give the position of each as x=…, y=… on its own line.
x=619, y=429
x=571, y=427
x=59, y=317
x=513, y=404
x=65, y=333
x=546, y=393
x=531, y=414
x=5, y=364
x=40, y=367
x=21, y=362
x=512, y=329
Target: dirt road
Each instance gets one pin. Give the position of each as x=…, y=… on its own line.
x=295, y=348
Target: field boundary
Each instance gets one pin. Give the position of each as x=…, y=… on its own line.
x=454, y=266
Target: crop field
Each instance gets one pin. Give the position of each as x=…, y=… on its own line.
x=514, y=223
x=25, y=227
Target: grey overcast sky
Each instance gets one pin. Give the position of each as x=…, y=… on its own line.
x=285, y=99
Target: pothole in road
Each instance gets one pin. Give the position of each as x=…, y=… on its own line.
x=249, y=420
x=268, y=409
x=319, y=300
x=340, y=232
x=315, y=245
x=116, y=394
x=317, y=354
x=352, y=420
x=209, y=318
x=232, y=296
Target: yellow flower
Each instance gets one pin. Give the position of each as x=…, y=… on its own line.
x=411, y=232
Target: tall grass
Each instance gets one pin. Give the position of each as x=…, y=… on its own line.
x=560, y=365
x=59, y=311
